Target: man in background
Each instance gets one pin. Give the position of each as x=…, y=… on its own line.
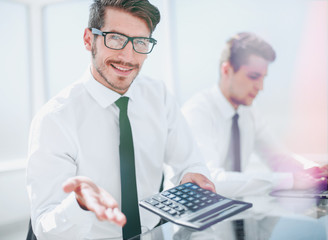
x=99, y=146
x=229, y=129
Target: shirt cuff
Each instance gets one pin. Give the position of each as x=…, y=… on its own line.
x=75, y=214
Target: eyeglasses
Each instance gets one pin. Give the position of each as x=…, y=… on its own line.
x=118, y=41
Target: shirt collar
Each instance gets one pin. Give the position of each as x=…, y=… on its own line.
x=103, y=95
x=224, y=105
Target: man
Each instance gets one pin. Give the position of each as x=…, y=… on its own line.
x=73, y=175
x=243, y=67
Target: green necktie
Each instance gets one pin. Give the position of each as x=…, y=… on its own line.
x=128, y=174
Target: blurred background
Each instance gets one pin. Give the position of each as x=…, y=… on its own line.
x=42, y=51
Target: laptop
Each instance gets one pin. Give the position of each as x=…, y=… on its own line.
x=319, y=193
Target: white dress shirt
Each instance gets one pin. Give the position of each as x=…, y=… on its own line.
x=77, y=133
x=210, y=116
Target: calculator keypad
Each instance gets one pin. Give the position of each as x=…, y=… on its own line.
x=184, y=197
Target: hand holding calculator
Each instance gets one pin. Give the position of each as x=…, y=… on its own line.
x=192, y=206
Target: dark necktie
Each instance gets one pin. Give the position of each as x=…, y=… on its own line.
x=235, y=134
x=235, y=143
x=128, y=174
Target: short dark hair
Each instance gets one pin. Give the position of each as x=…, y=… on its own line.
x=138, y=8
x=244, y=44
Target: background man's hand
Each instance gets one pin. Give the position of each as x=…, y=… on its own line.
x=93, y=198
x=199, y=179
x=315, y=177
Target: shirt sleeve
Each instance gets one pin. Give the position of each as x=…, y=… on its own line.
x=52, y=154
x=182, y=154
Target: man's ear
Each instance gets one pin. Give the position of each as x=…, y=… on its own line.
x=226, y=69
x=88, y=38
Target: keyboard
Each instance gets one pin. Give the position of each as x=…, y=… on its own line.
x=191, y=206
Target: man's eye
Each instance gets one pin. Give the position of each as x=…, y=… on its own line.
x=140, y=42
x=254, y=77
x=114, y=37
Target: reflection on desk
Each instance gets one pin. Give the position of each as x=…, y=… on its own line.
x=270, y=218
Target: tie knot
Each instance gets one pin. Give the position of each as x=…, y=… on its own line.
x=122, y=103
x=235, y=117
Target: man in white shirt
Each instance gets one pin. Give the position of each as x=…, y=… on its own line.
x=243, y=67
x=73, y=173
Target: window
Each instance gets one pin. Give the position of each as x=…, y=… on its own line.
x=15, y=86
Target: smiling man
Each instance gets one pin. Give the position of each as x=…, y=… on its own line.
x=229, y=129
x=99, y=146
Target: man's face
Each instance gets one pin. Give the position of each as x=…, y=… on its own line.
x=244, y=85
x=116, y=69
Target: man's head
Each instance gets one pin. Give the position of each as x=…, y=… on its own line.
x=116, y=58
x=243, y=66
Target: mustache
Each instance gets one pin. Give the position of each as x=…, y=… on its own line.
x=126, y=64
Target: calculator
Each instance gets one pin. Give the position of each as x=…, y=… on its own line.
x=191, y=206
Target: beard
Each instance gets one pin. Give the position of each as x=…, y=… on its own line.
x=101, y=69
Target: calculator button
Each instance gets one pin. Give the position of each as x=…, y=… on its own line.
x=178, y=193
x=167, y=202
x=166, y=208
x=166, y=193
x=194, y=208
x=159, y=198
x=183, y=201
x=172, y=205
x=209, y=201
x=176, y=199
x=189, y=204
x=173, y=190
x=159, y=205
x=152, y=201
x=184, y=196
x=172, y=212
x=190, y=198
x=170, y=196
x=179, y=209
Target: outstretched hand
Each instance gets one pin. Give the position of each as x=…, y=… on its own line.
x=93, y=198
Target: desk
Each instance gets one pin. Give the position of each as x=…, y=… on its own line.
x=269, y=218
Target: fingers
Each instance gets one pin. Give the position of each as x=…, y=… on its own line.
x=73, y=183
x=116, y=216
x=317, y=172
x=200, y=180
x=95, y=199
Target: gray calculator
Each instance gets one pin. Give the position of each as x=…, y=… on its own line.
x=191, y=206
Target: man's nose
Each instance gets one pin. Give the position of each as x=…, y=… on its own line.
x=127, y=53
x=259, y=84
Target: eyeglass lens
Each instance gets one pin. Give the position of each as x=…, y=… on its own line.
x=118, y=41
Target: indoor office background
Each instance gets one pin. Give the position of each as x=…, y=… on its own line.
x=42, y=51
